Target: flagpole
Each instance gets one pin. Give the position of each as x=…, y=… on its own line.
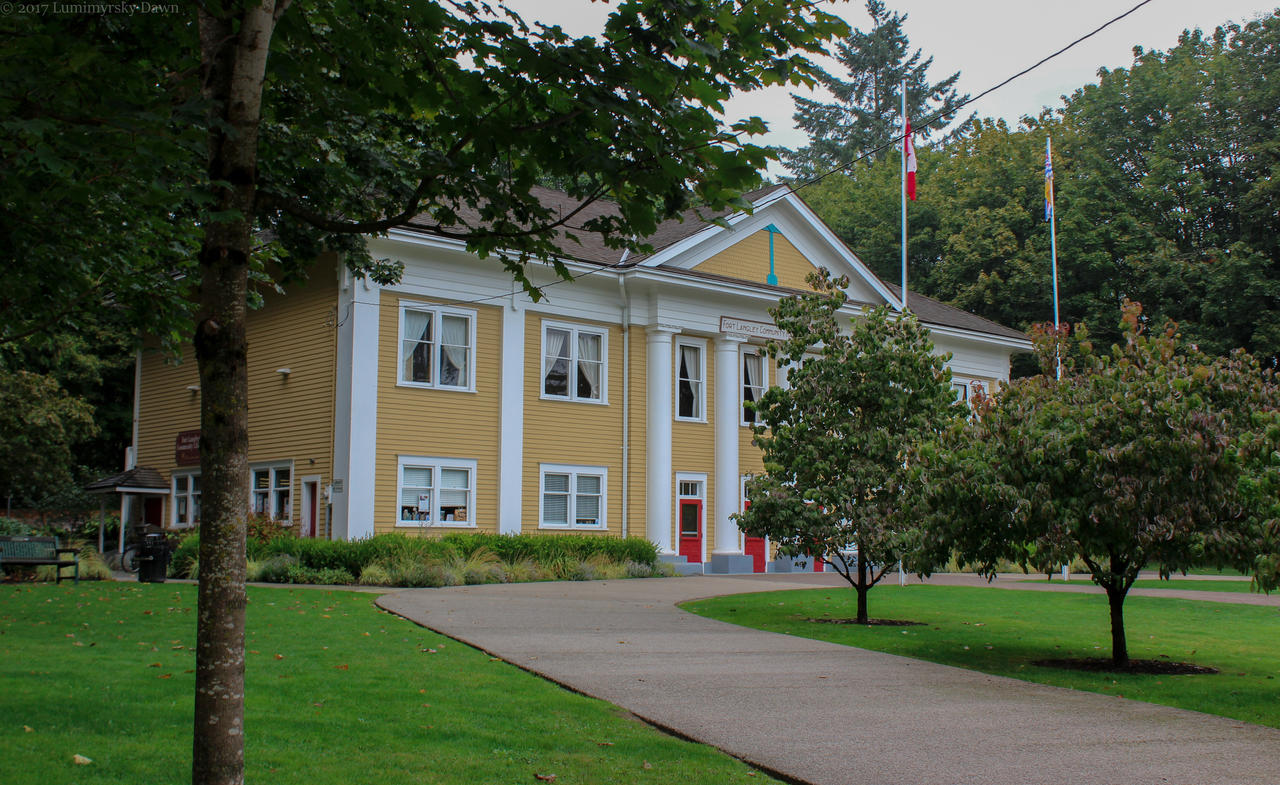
x=904, y=196
x=1053, y=248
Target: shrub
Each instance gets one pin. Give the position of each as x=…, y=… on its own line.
x=92, y=568
x=12, y=527
x=375, y=575
x=262, y=528
x=276, y=569
x=184, y=556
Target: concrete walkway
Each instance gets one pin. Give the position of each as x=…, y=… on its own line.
x=816, y=712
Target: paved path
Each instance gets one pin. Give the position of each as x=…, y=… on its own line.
x=820, y=713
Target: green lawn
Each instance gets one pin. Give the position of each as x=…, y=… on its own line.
x=337, y=693
x=1004, y=632
x=1197, y=585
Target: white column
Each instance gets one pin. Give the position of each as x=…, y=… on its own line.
x=658, y=416
x=727, y=417
x=511, y=460
x=356, y=415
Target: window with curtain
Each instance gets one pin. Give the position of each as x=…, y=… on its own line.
x=752, y=384
x=186, y=499
x=269, y=491
x=436, y=492
x=689, y=382
x=436, y=347
x=573, y=365
x=573, y=497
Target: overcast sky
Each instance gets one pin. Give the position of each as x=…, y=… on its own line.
x=985, y=40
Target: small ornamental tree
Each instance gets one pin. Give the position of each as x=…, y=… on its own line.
x=835, y=438
x=1138, y=457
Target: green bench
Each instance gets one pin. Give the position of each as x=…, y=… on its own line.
x=37, y=551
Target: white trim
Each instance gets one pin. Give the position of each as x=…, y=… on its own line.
x=573, y=470
x=743, y=351
x=356, y=408
x=190, y=475
x=728, y=398
x=511, y=422
x=701, y=345
x=574, y=328
x=436, y=311
x=131, y=457
x=314, y=498
x=272, y=489
x=436, y=465
x=701, y=479
x=139, y=491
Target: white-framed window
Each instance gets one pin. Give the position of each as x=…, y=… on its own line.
x=186, y=500
x=437, y=347
x=755, y=372
x=691, y=374
x=269, y=490
x=961, y=391
x=574, y=362
x=436, y=492
x=572, y=497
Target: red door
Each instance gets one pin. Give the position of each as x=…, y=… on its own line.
x=818, y=564
x=309, y=493
x=691, y=530
x=753, y=546
x=153, y=511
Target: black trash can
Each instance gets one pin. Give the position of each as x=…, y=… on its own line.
x=153, y=559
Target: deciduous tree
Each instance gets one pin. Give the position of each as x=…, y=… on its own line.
x=835, y=436
x=1135, y=459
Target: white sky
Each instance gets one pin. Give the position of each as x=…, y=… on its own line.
x=987, y=41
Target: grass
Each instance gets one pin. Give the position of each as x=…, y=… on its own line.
x=1243, y=587
x=1004, y=632
x=337, y=692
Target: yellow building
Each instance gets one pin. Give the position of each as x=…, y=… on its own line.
x=453, y=401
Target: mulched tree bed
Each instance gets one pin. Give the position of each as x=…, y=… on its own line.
x=871, y=622
x=1137, y=667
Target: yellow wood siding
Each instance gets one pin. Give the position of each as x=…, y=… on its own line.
x=438, y=423
x=290, y=415
x=693, y=449
x=638, y=483
x=749, y=260
x=571, y=432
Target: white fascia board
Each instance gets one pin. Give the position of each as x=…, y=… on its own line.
x=1013, y=344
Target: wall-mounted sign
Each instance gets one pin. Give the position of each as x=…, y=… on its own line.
x=186, y=448
x=751, y=329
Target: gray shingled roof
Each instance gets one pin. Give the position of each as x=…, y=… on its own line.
x=140, y=477
x=590, y=247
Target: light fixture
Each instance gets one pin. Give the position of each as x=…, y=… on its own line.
x=195, y=388
x=284, y=372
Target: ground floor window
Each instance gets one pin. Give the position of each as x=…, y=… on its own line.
x=270, y=490
x=186, y=500
x=573, y=497
x=436, y=492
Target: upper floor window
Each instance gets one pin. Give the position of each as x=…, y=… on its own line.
x=437, y=347
x=690, y=390
x=961, y=391
x=269, y=491
x=186, y=500
x=753, y=384
x=573, y=362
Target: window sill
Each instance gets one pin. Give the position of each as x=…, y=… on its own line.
x=562, y=527
x=439, y=525
x=701, y=420
x=566, y=399
x=440, y=387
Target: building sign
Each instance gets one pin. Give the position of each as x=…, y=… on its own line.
x=186, y=448
x=733, y=326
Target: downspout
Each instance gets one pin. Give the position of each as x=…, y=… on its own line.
x=626, y=392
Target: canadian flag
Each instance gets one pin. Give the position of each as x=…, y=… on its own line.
x=909, y=150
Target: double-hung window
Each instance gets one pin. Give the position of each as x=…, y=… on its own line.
x=269, y=490
x=436, y=492
x=573, y=362
x=437, y=347
x=690, y=389
x=753, y=383
x=186, y=500
x=573, y=497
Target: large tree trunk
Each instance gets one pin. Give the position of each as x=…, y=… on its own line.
x=233, y=57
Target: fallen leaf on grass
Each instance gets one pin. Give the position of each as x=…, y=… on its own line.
x=28, y=729
x=341, y=667
x=155, y=665
x=279, y=656
x=545, y=777
x=165, y=676
x=81, y=760
x=604, y=744
x=647, y=764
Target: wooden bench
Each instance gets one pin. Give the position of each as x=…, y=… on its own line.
x=37, y=551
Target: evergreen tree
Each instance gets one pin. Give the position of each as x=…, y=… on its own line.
x=867, y=109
